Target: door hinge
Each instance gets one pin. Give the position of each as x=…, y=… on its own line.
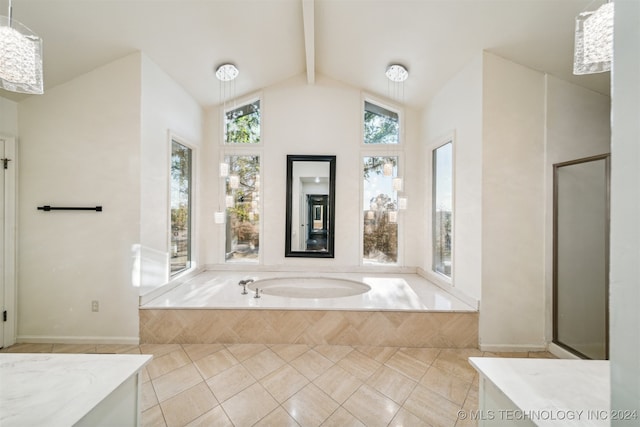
x=4, y=316
x=5, y=163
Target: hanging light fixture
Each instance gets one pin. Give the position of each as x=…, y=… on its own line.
x=593, y=50
x=397, y=73
x=226, y=73
x=20, y=57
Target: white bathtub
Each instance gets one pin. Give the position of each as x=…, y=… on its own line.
x=389, y=292
x=309, y=287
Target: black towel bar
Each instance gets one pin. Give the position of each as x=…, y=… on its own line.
x=48, y=208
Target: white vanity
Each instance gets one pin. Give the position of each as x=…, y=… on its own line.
x=543, y=392
x=70, y=389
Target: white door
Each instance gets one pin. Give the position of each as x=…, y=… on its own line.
x=7, y=241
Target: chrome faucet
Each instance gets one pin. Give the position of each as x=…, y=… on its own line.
x=257, y=295
x=244, y=284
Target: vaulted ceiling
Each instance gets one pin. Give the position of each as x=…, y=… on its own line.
x=352, y=41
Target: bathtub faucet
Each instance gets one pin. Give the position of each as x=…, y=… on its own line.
x=257, y=295
x=244, y=284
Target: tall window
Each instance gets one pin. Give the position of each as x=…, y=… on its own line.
x=242, y=199
x=381, y=126
x=242, y=124
x=442, y=206
x=180, y=207
x=380, y=236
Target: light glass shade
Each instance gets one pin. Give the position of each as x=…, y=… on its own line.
x=402, y=203
x=224, y=169
x=227, y=72
x=397, y=73
x=593, y=49
x=234, y=181
x=397, y=184
x=218, y=217
x=20, y=58
x=229, y=201
x=393, y=217
x=387, y=169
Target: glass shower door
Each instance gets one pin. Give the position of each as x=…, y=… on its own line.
x=581, y=256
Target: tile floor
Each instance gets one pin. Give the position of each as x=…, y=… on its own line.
x=299, y=385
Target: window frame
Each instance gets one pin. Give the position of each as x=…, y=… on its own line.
x=441, y=142
x=387, y=105
x=241, y=150
x=192, y=244
x=233, y=105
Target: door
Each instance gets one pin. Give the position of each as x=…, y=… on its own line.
x=317, y=205
x=7, y=241
x=581, y=260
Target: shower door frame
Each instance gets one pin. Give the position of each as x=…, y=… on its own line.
x=607, y=159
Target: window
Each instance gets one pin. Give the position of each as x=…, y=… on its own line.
x=180, y=207
x=242, y=124
x=442, y=208
x=381, y=126
x=380, y=232
x=242, y=197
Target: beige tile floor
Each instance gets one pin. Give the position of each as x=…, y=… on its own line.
x=299, y=385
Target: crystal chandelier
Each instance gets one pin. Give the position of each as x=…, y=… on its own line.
x=594, y=41
x=20, y=57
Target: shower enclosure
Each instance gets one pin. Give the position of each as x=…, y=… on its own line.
x=581, y=257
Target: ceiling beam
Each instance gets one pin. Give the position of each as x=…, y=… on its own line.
x=309, y=39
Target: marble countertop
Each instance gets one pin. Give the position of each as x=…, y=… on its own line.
x=555, y=392
x=59, y=389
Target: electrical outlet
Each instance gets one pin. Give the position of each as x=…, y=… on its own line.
x=95, y=306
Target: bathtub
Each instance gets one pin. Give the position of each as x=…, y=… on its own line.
x=309, y=287
x=402, y=310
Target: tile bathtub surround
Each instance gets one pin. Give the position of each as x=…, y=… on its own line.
x=298, y=384
x=310, y=327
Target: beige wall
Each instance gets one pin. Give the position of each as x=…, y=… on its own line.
x=512, y=306
x=8, y=117
x=165, y=109
x=456, y=110
x=80, y=146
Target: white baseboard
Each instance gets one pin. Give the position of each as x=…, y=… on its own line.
x=47, y=339
x=512, y=348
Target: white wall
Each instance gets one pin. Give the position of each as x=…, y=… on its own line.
x=512, y=309
x=325, y=119
x=457, y=110
x=8, y=117
x=165, y=108
x=625, y=211
x=80, y=146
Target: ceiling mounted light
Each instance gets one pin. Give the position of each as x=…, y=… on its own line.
x=20, y=57
x=227, y=72
x=397, y=73
x=593, y=49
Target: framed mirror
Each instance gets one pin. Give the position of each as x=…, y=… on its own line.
x=311, y=183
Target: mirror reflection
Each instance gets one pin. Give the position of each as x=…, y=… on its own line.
x=310, y=189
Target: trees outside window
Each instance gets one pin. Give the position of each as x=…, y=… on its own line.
x=242, y=197
x=181, y=170
x=242, y=124
x=442, y=209
x=380, y=231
